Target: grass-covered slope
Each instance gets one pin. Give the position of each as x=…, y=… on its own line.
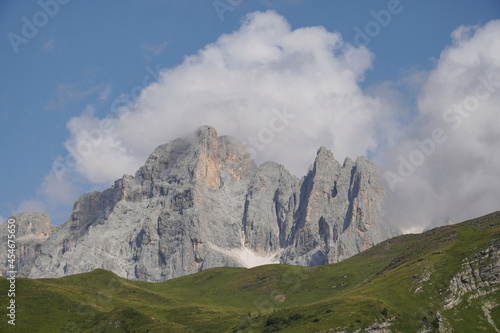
x=445, y=278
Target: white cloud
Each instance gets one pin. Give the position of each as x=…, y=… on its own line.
x=237, y=84
x=70, y=93
x=55, y=195
x=459, y=175
x=30, y=206
x=96, y=150
x=58, y=191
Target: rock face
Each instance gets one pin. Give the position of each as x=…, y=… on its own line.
x=480, y=275
x=205, y=203
x=32, y=230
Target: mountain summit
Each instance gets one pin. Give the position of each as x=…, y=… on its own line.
x=204, y=203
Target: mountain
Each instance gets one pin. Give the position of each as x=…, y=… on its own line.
x=203, y=202
x=443, y=280
x=32, y=230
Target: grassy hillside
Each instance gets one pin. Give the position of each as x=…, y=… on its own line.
x=403, y=283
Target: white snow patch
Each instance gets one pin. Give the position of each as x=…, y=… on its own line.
x=250, y=259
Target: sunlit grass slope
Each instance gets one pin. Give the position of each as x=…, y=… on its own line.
x=403, y=282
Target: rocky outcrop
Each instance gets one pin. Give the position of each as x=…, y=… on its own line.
x=31, y=231
x=204, y=203
x=479, y=276
x=338, y=212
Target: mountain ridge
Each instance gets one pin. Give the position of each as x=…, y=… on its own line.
x=203, y=202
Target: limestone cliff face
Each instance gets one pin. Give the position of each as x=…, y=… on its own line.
x=338, y=213
x=205, y=203
x=31, y=231
x=479, y=276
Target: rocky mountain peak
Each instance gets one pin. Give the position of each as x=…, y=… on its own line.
x=206, y=149
x=32, y=230
x=348, y=162
x=206, y=134
x=202, y=203
x=35, y=224
x=325, y=162
x=324, y=153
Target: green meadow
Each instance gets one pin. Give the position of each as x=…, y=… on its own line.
x=402, y=283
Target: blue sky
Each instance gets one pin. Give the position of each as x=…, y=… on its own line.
x=83, y=56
